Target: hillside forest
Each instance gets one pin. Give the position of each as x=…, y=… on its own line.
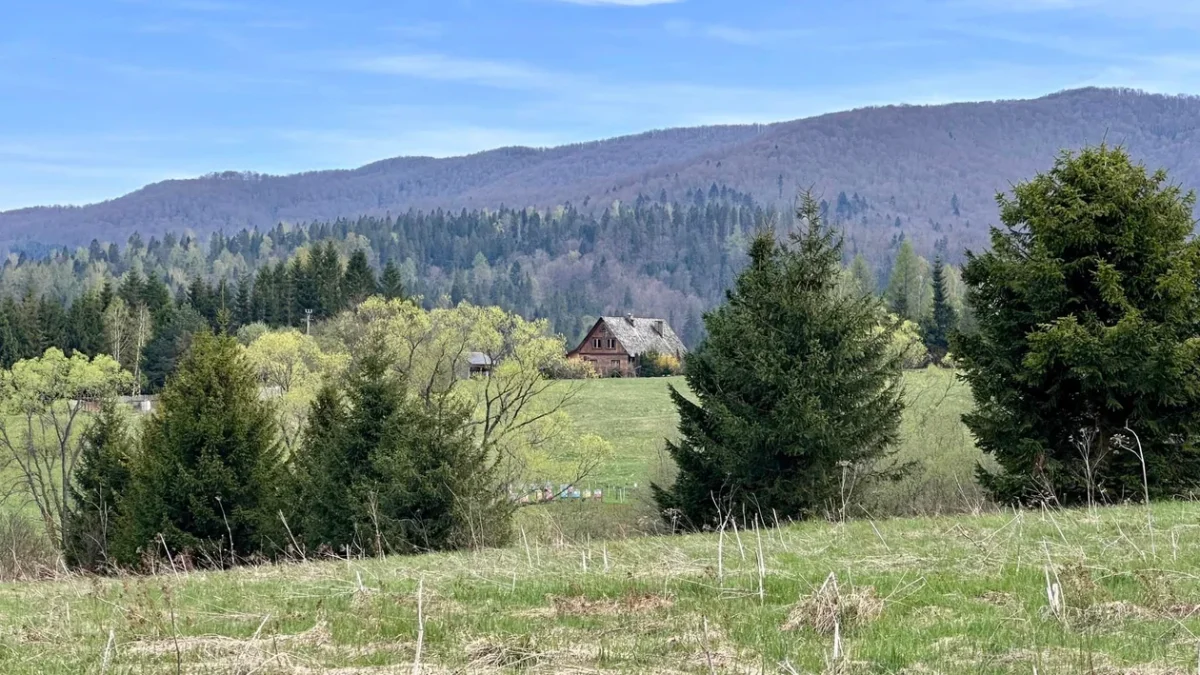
x=650, y=257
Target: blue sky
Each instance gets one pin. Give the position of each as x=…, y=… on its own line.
x=99, y=97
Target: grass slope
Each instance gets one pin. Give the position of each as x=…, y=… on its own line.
x=947, y=595
x=636, y=416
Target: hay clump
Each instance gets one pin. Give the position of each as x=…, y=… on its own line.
x=516, y=652
x=829, y=608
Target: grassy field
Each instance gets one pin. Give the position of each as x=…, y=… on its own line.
x=636, y=416
x=967, y=594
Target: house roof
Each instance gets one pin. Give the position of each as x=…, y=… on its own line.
x=639, y=335
x=479, y=359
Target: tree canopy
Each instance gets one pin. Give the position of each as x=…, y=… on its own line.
x=1086, y=356
x=797, y=386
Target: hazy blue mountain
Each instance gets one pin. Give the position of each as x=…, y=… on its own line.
x=929, y=172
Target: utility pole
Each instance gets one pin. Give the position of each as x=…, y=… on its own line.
x=308, y=321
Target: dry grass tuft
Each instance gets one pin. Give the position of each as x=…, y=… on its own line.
x=517, y=652
x=630, y=603
x=830, y=608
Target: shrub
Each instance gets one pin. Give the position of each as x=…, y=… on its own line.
x=654, y=364
x=573, y=368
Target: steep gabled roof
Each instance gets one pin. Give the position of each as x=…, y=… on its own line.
x=640, y=335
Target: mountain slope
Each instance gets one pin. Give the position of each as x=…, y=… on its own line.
x=930, y=172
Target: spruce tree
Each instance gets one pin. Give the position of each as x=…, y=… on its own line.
x=796, y=384
x=101, y=479
x=1085, y=353
x=359, y=283
x=391, y=285
x=323, y=475
x=209, y=476
x=944, y=320
x=383, y=472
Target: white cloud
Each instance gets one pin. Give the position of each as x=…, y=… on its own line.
x=502, y=74
x=747, y=37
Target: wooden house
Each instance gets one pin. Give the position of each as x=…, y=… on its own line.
x=615, y=342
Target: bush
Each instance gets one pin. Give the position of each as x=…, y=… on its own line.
x=573, y=368
x=27, y=553
x=654, y=364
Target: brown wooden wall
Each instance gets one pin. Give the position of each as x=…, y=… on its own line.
x=604, y=352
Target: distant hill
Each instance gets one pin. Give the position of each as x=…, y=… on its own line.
x=929, y=172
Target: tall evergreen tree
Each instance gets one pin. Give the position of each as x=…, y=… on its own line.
x=383, y=472
x=209, y=477
x=1085, y=352
x=391, y=285
x=100, y=481
x=85, y=325
x=943, y=320
x=796, y=383
x=359, y=283
x=908, y=286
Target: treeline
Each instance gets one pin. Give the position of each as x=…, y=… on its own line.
x=651, y=256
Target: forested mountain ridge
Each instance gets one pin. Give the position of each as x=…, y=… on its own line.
x=929, y=172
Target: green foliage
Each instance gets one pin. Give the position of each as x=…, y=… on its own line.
x=391, y=285
x=796, y=384
x=42, y=412
x=359, y=282
x=653, y=364
x=908, y=292
x=172, y=336
x=386, y=472
x=1087, y=309
x=943, y=321
x=100, y=480
x=209, y=478
x=863, y=277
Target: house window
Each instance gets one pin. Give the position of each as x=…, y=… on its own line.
x=596, y=343
x=616, y=364
x=612, y=343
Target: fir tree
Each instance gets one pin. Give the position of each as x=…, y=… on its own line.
x=209, y=475
x=391, y=285
x=944, y=320
x=1085, y=352
x=359, y=283
x=796, y=384
x=383, y=472
x=101, y=479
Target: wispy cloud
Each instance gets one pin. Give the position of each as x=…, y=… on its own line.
x=749, y=37
x=493, y=73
